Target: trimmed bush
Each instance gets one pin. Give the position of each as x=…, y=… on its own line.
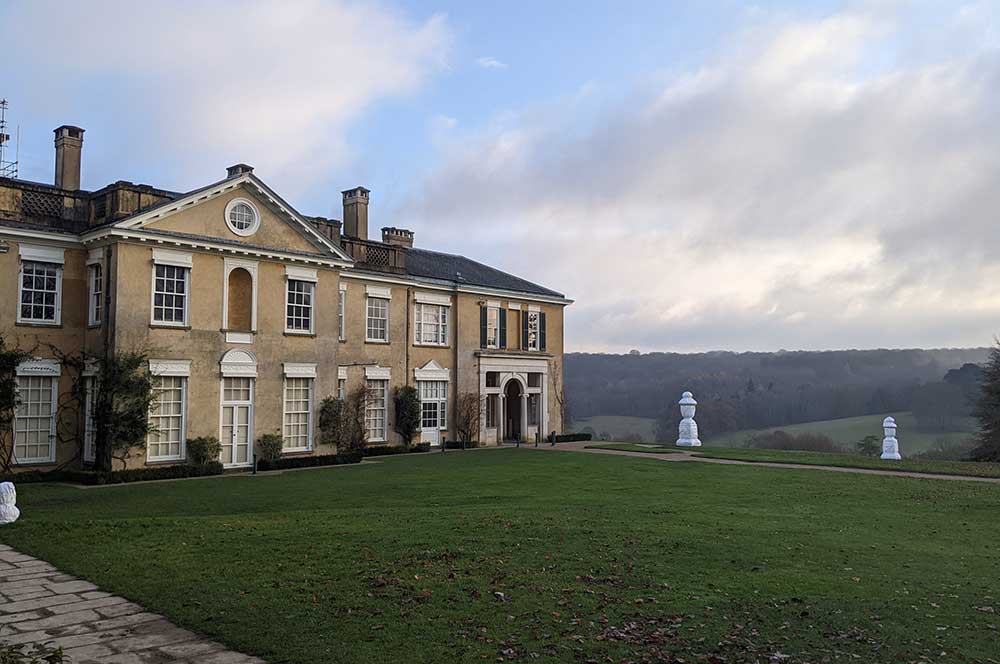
x=571, y=437
x=268, y=447
x=311, y=461
x=459, y=445
x=203, y=450
x=388, y=450
x=93, y=477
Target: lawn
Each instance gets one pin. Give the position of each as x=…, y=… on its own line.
x=618, y=426
x=521, y=554
x=849, y=430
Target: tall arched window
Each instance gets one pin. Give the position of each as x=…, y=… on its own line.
x=240, y=286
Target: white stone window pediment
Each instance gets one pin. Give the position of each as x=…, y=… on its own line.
x=432, y=298
x=39, y=367
x=170, y=367
x=239, y=363
x=533, y=307
x=516, y=306
x=299, y=370
x=42, y=254
x=378, y=373
x=432, y=371
x=381, y=292
x=169, y=257
x=301, y=273
x=95, y=256
x=493, y=304
x=341, y=373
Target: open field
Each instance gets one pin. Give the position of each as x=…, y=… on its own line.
x=619, y=426
x=848, y=431
x=571, y=556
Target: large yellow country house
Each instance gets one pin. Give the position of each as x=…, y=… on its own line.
x=252, y=313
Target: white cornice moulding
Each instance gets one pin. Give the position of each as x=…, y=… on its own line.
x=42, y=254
x=95, y=255
x=379, y=292
x=39, y=367
x=341, y=373
x=301, y=273
x=378, y=373
x=432, y=298
x=170, y=367
x=431, y=371
x=493, y=304
x=168, y=257
x=516, y=306
x=300, y=370
x=533, y=307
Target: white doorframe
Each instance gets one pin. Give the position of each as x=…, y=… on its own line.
x=236, y=406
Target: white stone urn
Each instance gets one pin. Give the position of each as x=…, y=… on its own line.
x=8, y=500
x=890, y=446
x=688, y=429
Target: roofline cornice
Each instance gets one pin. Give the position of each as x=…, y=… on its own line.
x=354, y=274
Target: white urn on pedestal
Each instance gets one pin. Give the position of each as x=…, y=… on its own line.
x=890, y=446
x=688, y=429
x=8, y=503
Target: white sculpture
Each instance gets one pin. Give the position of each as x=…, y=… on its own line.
x=8, y=500
x=890, y=446
x=688, y=428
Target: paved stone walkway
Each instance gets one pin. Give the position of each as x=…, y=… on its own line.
x=39, y=604
x=688, y=456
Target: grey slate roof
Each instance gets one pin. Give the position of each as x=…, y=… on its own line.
x=465, y=271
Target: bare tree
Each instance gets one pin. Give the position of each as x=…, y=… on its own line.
x=470, y=409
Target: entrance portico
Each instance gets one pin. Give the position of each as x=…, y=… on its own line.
x=516, y=393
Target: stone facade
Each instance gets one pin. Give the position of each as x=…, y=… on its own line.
x=235, y=297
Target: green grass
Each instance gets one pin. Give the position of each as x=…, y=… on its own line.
x=848, y=431
x=618, y=426
x=970, y=468
x=632, y=447
x=597, y=557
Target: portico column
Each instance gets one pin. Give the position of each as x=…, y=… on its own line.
x=524, y=413
x=502, y=421
x=543, y=405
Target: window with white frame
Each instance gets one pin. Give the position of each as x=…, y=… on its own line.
x=492, y=327
x=299, y=307
x=533, y=402
x=35, y=420
x=341, y=388
x=492, y=410
x=375, y=409
x=96, y=300
x=166, y=437
x=433, y=404
x=431, y=324
x=341, y=304
x=170, y=294
x=41, y=292
x=242, y=217
x=296, y=432
x=533, y=330
x=378, y=319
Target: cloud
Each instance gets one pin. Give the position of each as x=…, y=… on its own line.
x=818, y=184
x=190, y=87
x=491, y=63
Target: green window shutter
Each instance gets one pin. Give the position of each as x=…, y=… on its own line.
x=503, y=328
x=482, y=327
x=524, y=330
x=541, y=331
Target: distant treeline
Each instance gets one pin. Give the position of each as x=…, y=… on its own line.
x=760, y=390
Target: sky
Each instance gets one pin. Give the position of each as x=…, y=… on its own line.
x=695, y=176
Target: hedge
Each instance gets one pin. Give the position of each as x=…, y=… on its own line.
x=573, y=437
x=459, y=445
x=93, y=477
x=310, y=461
x=388, y=450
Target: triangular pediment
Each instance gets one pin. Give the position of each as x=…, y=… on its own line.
x=239, y=210
x=431, y=371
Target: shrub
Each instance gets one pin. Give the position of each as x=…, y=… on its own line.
x=203, y=450
x=407, y=402
x=574, y=437
x=311, y=461
x=342, y=421
x=869, y=446
x=93, y=477
x=268, y=447
x=460, y=445
x=781, y=440
x=389, y=450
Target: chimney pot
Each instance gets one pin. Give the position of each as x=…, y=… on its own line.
x=356, y=212
x=237, y=170
x=397, y=236
x=69, y=146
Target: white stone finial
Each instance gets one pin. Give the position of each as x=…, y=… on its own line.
x=688, y=428
x=890, y=446
x=8, y=503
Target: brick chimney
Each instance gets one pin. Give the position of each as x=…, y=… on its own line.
x=237, y=170
x=397, y=236
x=356, y=213
x=328, y=228
x=69, y=146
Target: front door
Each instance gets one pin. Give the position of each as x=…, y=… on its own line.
x=512, y=411
x=237, y=422
x=430, y=423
